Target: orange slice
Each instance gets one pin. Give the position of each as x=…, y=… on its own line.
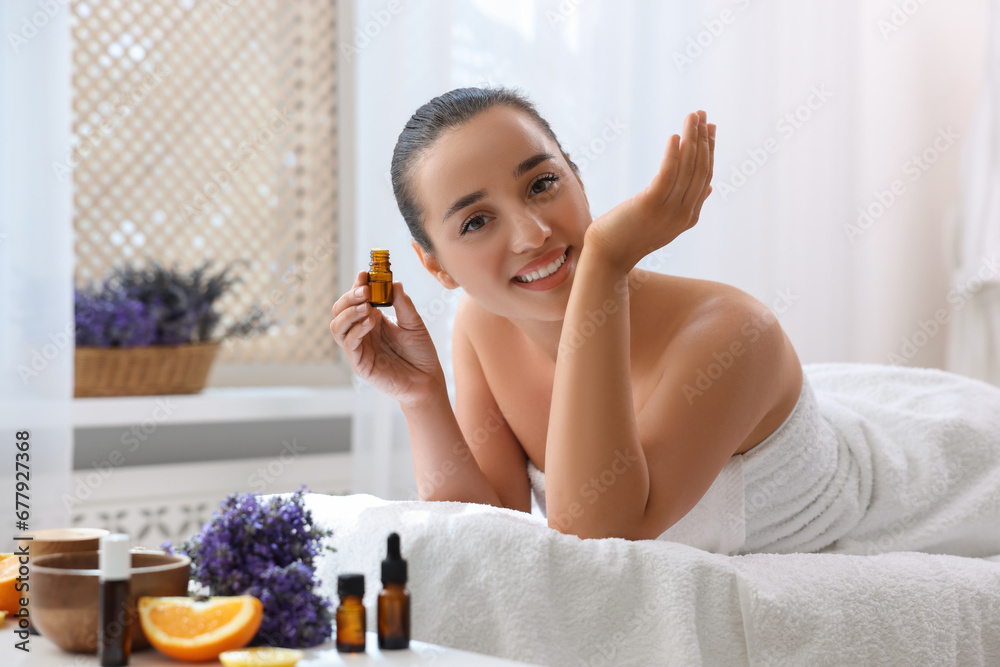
x=10, y=598
x=192, y=630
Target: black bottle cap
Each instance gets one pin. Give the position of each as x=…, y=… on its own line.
x=351, y=584
x=394, y=567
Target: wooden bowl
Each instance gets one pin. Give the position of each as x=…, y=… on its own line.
x=56, y=541
x=60, y=540
x=64, y=594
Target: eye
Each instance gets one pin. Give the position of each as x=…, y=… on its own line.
x=542, y=184
x=467, y=225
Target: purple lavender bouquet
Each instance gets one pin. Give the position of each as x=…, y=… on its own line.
x=158, y=306
x=266, y=549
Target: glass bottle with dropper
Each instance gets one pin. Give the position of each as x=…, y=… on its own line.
x=394, y=600
x=380, y=279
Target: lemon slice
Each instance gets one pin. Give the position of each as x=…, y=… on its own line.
x=261, y=656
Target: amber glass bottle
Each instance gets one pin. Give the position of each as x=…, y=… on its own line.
x=351, y=620
x=394, y=600
x=380, y=279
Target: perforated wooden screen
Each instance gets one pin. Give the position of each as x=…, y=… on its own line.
x=206, y=130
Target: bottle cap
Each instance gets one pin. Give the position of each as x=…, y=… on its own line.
x=114, y=559
x=351, y=584
x=394, y=567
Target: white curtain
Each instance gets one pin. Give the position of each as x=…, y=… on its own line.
x=36, y=263
x=823, y=110
x=974, y=340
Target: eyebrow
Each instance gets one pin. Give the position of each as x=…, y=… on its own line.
x=462, y=202
x=531, y=163
x=473, y=197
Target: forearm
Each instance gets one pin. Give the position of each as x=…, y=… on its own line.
x=597, y=480
x=444, y=466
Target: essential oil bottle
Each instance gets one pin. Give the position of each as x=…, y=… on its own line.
x=380, y=279
x=394, y=600
x=114, y=637
x=351, y=619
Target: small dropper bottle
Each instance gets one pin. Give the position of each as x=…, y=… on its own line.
x=394, y=600
x=114, y=636
x=380, y=279
x=351, y=619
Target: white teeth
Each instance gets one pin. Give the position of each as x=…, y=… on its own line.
x=543, y=272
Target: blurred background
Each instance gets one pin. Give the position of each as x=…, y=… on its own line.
x=856, y=193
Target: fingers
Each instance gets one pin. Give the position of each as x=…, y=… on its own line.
x=407, y=316
x=357, y=332
x=352, y=297
x=663, y=182
x=696, y=187
x=688, y=152
x=345, y=325
x=350, y=309
x=711, y=171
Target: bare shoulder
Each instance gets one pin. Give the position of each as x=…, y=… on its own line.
x=690, y=308
x=722, y=335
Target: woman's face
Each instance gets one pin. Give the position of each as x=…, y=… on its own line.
x=499, y=201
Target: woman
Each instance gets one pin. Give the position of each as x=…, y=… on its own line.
x=630, y=390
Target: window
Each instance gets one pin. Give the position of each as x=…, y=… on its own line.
x=207, y=131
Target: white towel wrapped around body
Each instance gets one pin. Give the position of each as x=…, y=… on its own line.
x=873, y=458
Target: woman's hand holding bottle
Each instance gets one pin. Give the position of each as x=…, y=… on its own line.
x=670, y=204
x=397, y=359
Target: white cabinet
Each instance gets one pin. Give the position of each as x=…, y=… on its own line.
x=169, y=501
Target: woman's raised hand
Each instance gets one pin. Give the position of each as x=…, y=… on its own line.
x=670, y=204
x=397, y=359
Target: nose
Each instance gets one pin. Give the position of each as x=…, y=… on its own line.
x=530, y=230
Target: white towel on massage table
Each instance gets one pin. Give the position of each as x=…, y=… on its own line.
x=500, y=582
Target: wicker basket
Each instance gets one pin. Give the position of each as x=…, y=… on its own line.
x=142, y=371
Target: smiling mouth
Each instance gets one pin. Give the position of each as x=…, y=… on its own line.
x=545, y=271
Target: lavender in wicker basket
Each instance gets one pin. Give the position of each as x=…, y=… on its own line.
x=158, y=306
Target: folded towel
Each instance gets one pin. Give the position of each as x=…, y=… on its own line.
x=899, y=608
x=500, y=582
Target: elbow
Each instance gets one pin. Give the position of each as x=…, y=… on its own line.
x=584, y=522
x=568, y=518
x=590, y=532
x=578, y=519
x=454, y=494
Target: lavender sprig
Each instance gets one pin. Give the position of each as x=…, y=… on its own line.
x=268, y=550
